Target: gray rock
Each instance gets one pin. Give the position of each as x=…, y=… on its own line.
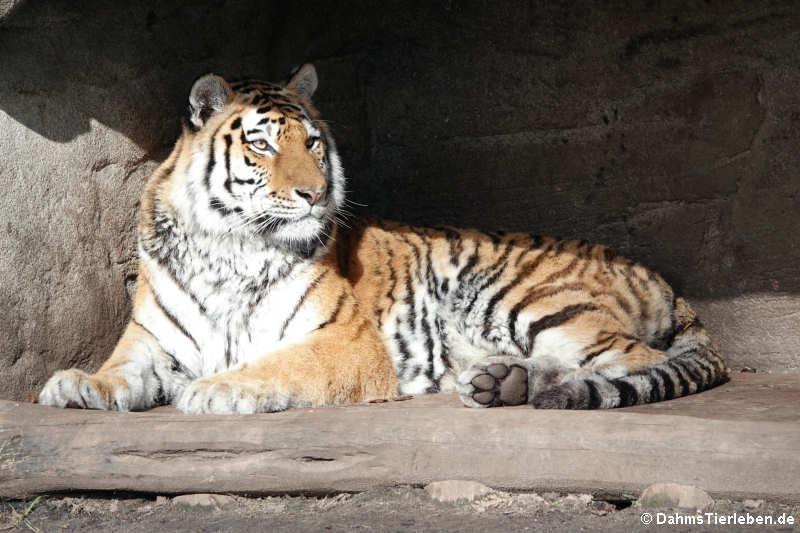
x=752, y=504
x=456, y=490
x=203, y=500
x=675, y=495
x=573, y=502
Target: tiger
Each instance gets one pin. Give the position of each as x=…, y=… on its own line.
x=258, y=292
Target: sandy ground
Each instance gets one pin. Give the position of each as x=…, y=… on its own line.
x=386, y=509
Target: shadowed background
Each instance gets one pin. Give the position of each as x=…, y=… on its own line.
x=668, y=130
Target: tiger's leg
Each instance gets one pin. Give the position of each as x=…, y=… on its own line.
x=333, y=366
x=640, y=374
x=507, y=380
x=138, y=375
x=555, y=343
x=596, y=383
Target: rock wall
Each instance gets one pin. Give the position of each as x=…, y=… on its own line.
x=668, y=131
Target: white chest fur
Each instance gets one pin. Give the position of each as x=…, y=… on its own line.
x=219, y=304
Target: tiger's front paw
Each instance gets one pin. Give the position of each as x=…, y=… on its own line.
x=493, y=382
x=76, y=388
x=215, y=395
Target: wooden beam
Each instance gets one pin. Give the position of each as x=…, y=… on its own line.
x=739, y=440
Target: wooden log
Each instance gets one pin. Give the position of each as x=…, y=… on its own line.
x=740, y=440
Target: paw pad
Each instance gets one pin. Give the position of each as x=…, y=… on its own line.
x=501, y=385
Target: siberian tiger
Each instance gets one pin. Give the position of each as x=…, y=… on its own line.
x=253, y=297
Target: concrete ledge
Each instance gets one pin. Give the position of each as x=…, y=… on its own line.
x=739, y=440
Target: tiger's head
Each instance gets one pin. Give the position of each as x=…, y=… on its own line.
x=259, y=162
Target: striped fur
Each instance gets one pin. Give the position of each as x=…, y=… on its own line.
x=252, y=296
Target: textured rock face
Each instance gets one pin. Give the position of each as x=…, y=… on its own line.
x=669, y=133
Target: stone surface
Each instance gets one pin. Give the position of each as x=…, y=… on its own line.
x=661, y=495
x=745, y=446
x=667, y=130
x=454, y=490
x=203, y=500
x=752, y=504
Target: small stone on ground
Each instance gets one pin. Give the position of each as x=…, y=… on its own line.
x=456, y=490
x=675, y=495
x=203, y=500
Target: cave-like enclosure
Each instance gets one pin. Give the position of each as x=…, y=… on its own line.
x=668, y=130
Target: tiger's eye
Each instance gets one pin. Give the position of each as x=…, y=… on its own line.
x=311, y=142
x=260, y=145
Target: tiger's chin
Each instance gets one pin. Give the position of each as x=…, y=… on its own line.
x=303, y=236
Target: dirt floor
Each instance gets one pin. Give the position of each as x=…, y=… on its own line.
x=386, y=509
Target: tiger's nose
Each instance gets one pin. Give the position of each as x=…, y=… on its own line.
x=312, y=196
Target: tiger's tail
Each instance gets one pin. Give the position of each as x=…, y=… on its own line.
x=693, y=365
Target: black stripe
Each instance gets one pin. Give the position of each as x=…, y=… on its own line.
x=167, y=258
x=471, y=262
x=445, y=288
x=655, y=388
x=669, y=384
x=524, y=273
x=561, y=273
x=627, y=393
x=402, y=347
x=144, y=328
x=491, y=280
x=228, y=142
x=211, y=159
x=588, y=357
x=536, y=242
x=415, y=253
x=236, y=123
x=684, y=384
x=431, y=279
x=444, y=345
x=216, y=204
x=454, y=243
x=299, y=303
x=172, y=318
x=339, y=303
x=694, y=373
x=549, y=321
x=228, y=348
x=629, y=348
x=705, y=369
x=426, y=330
x=410, y=299
x=595, y=400
x=159, y=397
x=641, y=300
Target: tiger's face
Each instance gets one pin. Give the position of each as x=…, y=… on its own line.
x=262, y=161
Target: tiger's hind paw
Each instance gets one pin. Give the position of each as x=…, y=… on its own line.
x=493, y=382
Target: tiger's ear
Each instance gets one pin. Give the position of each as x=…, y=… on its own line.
x=304, y=81
x=210, y=94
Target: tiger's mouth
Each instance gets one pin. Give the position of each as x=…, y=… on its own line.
x=291, y=226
